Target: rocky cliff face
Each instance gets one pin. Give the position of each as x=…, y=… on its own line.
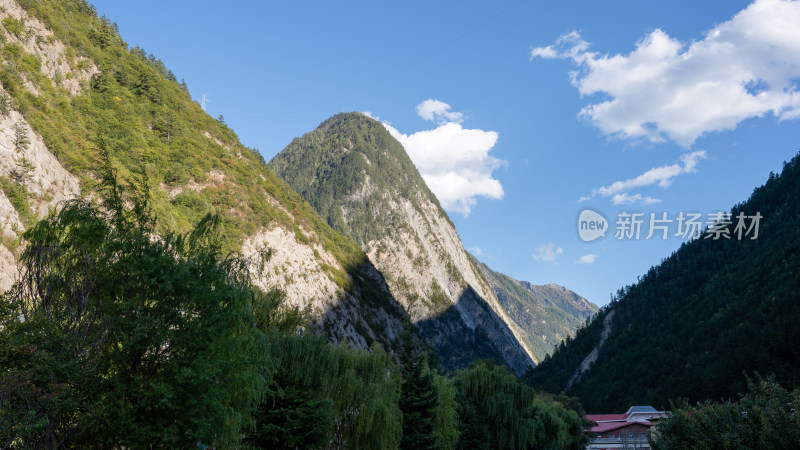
x=546, y=314
x=67, y=80
x=33, y=180
x=362, y=182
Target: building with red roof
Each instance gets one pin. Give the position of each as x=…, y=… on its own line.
x=630, y=430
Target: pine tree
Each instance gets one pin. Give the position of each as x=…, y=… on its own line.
x=21, y=140
x=419, y=400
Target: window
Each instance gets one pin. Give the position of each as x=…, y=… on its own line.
x=611, y=435
x=633, y=435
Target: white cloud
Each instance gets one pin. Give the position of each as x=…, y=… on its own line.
x=667, y=89
x=628, y=199
x=548, y=253
x=438, y=111
x=586, y=259
x=477, y=251
x=371, y=116
x=661, y=176
x=454, y=161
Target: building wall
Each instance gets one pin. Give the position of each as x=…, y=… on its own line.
x=634, y=428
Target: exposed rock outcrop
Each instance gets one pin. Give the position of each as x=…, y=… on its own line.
x=360, y=179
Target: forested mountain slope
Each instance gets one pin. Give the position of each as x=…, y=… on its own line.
x=695, y=325
x=73, y=94
x=546, y=314
x=361, y=180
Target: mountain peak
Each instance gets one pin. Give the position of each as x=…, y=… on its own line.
x=362, y=182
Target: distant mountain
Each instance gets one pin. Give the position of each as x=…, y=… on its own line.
x=546, y=314
x=71, y=87
x=695, y=325
x=362, y=182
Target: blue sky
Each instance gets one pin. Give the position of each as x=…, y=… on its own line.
x=518, y=114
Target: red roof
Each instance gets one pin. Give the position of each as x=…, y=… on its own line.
x=607, y=417
x=609, y=426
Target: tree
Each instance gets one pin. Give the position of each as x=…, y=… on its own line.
x=5, y=104
x=127, y=341
x=498, y=411
x=21, y=140
x=764, y=417
x=328, y=394
x=292, y=417
x=419, y=400
x=446, y=423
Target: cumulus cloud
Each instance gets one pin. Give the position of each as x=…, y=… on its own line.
x=454, y=161
x=548, y=253
x=438, y=111
x=586, y=259
x=660, y=176
x=745, y=67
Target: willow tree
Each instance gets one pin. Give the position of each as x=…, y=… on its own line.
x=498, y=411
x=114, y=338
x=325, y=394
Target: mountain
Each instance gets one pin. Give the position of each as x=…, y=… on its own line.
x=546, y=314
x=73, y=95
x=362, y=182
x=137, y=334
x=696, y=325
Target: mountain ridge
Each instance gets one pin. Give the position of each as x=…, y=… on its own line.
x=698, y=324
x=546, y=314
x=362, y=181
x=76, y=96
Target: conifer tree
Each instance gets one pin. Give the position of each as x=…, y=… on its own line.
x=418, y=400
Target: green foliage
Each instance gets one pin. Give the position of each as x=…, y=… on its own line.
x=438, y=299
x=21, y=139
x=149, y=122
x=499, y=411
x=764, y=417
x=127, y=341
x=419, y=401
x=135, y=341
x=323, y=393
x=694, y=324
x=18, y=195
x=345, y=162
x=446, y=426
x=5, y=103
x=14, y=26
x=292, y=418
x=550, y=310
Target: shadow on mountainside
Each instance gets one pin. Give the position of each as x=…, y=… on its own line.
x=368, y=312
x=457, y=342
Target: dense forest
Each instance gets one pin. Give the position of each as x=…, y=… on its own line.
x=341, y=163
x=113, y=339
x=693, y=327
x=148, y=122
x=134, y=321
